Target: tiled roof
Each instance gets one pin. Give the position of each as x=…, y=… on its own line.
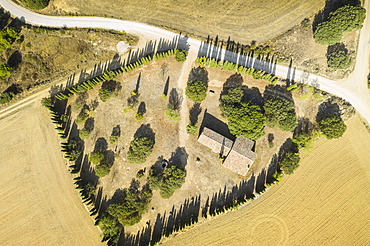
x=215, y=141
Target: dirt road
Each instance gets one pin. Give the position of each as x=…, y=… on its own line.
x=39, y=204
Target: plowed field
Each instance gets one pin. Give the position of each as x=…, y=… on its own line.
x=325, y=202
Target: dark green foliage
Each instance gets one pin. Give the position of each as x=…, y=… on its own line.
x=247, y=120
x=289, y=161
x=339, y=60
x=35, y=4
x=196, y=91
x=332, y=127
x=173, y=179
x=113, y=139
x=344, y=19
x=168, y=181
x=281, y=112
x=130, y=209
x=303, y=141
x=231, y=99
x=96, y=157
x=84, y=133
x=47, y=102
x=102, y=169
x=6, y=97
x=82, y=118
x=5, y=70
x=140, y=149
x=105, y=94
x=140, y=174
x=180, y=55
x=109, y=226
x=74, y=150
x=7, y=37
x=192, y=129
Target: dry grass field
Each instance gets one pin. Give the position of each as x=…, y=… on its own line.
x=242, y=21
x=39, y=204
x=325, y=202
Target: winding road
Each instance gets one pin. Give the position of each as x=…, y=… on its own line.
x=353, y=89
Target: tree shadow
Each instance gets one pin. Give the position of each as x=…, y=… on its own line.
x=270, y=137
x=216, y=125
x=138, y=83
x=135, y=184
x=101, y=144
x=328, y=108
x=336, y=47
x=116, y=131
x=272, y=168
x=174, y=99
x=165, y=90
x=111, y=85
x=179, y=157
x=253, y=95
x=89, y=124
x=15, y=59
x=145, y=131
x=109, y=157
x=199, y=74
x=235, y=80
x=194, y=113
x=272, y=91
x=288, y=144
x=304, y=125
x=142, y=108
x=261, y=181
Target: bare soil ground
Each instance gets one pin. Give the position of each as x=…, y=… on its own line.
x=39, y=203
x=324, y=202
x=242, y=21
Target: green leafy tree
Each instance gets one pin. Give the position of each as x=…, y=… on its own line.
x=140, y=149
x=5, y=70
x=247, y=120
x=129, y=211
x=6, y=97
x=105, y=94
x=281, y=112
x=180, y=55
x=344, y=19
x=196, y=91
x=84, y=133
x=339, y=60
x=230, y=100
x=102, y=169
x=109, y=226
x=173, y=179
x=113, y=139
x=74, y=150
x=96, y=157
x=289, y=162
x=47, y=102
x=304, y=141
x=154, y=179
x=192, y=129
x=332, y=127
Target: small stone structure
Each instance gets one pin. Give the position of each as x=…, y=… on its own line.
x=240, y=156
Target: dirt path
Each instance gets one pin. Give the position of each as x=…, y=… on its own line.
x=39, y=204
x=325, y=202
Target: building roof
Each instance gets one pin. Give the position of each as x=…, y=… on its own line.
x=215, y=141
x=241, y=156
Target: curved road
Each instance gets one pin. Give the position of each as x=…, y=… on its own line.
x=353, y=89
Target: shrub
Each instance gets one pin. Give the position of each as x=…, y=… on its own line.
x=289, y=161
x=344, y=19
x=96, y=157
x=271, y=145
x=105, y=94
x=35, y=4
x=84, y=133
x=196, y=91
x=113, y=139
x=339, y=60
x=171, y=113
x=281, y=112
x=140, y=149
x=332, y=127
x=180, y=55
x=139, y=116
x=5, y=70
x=164, y=96
x=130, y=209
x=192, y=129
x=140, y=174
x=102, y=169
x=47, y=102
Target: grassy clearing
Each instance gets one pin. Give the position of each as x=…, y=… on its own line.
x=325, y=200
x=243, y=21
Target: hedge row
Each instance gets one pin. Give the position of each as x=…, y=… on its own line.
x=109, y=74
x=230, y=66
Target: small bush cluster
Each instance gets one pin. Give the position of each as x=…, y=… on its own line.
x=165, y=54
x=180, y=55
x=113, y=139
x=192, y=129
x=171, y=113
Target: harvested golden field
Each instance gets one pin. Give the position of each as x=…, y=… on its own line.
x=243, y=21
x=39, y=204
x=325, y=202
